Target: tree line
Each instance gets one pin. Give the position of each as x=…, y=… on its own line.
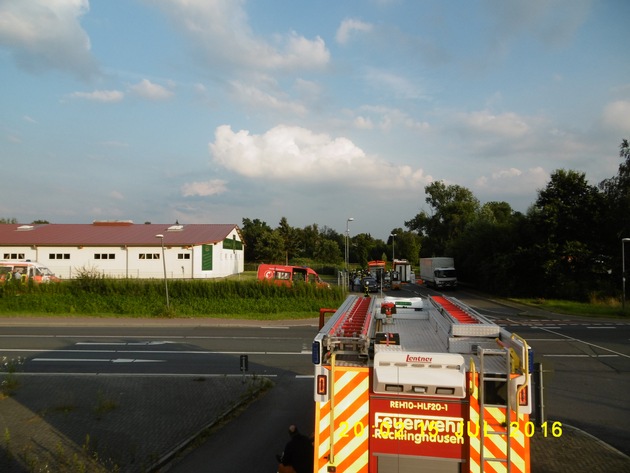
x=567, y=244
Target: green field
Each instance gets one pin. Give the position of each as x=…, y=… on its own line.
x=243, y=298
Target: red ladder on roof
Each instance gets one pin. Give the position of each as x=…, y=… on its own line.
x=456, y=312
x=355, y=322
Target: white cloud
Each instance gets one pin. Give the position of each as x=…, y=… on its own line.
x=204, y=189
x=513, y=181
x=393, y=84
x=387, y=118
x=116, y=195
x=348, y=27
x=505, y=124
x=617, y=116
x=309, y=90
x=46, y=35
x=363, y=123
x=291, y=153
x=255, y=97
x=220, y=31
x=99, y=96
x=150, y=91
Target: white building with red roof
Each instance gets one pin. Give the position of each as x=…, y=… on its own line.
x=122, y=249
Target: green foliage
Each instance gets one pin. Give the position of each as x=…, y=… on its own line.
x=10, y=382
x=453, y=208
x=197, y=298
x=566, y=246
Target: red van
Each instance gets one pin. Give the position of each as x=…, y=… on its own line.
x=288, y=275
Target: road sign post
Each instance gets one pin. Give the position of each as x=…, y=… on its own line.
x=244, y=365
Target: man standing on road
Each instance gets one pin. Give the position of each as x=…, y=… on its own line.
x=298, y=453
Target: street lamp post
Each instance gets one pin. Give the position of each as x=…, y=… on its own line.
x=393, y=235
x=623, y=274
x=350, y=219
x=161, y=237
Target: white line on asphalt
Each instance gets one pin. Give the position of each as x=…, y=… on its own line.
x=582, y=356
x=178, y=337
x=158, y=352
x=154, y=375
x=602, y=327
x=587, y=343
x=115, y=360
x=546, y=340
x=90, y=360
x=149, y=343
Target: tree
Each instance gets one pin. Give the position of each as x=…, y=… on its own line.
x=309, y=239
x=289, y=238
x=617, y=194
x=361, y=246
x=567, y=216
x=405, y=245
x=327, y=251
x=253, y=231
x=453, y=207
x=269, y=248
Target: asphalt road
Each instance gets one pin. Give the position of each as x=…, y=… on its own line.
x=586, y=363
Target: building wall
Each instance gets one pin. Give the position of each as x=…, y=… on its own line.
x=137, y=262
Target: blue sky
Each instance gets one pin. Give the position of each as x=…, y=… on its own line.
x=211, y=111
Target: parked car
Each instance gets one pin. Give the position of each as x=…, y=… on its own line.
x=370, y=283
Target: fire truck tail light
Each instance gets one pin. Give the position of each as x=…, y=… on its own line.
x=523, y=398
x=322, y=384
x=393, y=388
x=419, y=389
x=445, y=391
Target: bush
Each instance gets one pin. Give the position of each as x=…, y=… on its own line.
x=197, y=298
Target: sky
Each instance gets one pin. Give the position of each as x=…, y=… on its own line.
x=211, y=111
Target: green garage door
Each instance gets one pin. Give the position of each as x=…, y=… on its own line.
x=206, y=257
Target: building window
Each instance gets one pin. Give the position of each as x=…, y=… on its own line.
x=13, y=256
x=104, y=256
x=183, y=255
x=59, y=256
x=149, y=256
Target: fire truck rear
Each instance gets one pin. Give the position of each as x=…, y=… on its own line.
x=402, y=386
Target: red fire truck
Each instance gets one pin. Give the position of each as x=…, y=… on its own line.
x=397, y=389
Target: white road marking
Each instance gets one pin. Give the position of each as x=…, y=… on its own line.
x=587, y=343
x=156, y=352
x=582, y=356
x=97, y=360
x=154, y=375
x=149, y=343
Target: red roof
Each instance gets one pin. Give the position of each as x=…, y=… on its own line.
x=113, y=233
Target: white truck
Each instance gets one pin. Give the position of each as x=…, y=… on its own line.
x=438, y=272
